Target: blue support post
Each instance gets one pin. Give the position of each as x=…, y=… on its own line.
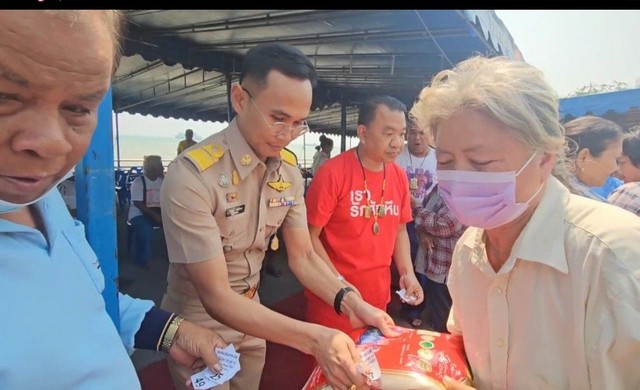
x=95, y=198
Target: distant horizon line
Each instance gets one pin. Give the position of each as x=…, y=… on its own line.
x=196, y=136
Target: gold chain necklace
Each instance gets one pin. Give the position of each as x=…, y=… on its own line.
x=379, y=211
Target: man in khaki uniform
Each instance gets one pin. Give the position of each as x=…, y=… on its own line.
x=187, y=142
x=224, y=200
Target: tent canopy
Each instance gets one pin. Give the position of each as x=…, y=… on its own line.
x=180, y=63
x=622, y=107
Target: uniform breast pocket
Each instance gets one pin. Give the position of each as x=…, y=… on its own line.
x=274, y=218
x=85, y=254
x=234, y=231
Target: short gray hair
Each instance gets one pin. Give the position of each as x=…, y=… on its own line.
x=152, y=162
x=512, y=92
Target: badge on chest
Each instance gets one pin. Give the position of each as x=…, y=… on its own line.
x=413, y=184
x=230, y=212
x=282, y=201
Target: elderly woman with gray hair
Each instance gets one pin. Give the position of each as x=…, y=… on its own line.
x=545, y=284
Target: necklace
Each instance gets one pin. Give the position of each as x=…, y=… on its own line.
x=413, y=182
x=379, y=211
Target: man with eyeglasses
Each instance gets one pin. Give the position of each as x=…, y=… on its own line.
x=224, y=201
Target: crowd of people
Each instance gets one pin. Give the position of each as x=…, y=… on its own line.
x=478, y=196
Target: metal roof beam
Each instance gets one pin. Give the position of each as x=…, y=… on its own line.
x=149, y=67
x=267, y=19
x=141, y=92
x=352, y=37
x=412, y=55
x=166, y=96
x=209, y=98
x=190, y=94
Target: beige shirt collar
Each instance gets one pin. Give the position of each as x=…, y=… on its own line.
x=240, y=149
x=541, y=240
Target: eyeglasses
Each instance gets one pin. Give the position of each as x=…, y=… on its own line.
x=281, y=129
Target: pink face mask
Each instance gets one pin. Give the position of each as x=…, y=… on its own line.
x=482, y=199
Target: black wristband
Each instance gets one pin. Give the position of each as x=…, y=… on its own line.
x=337, y=302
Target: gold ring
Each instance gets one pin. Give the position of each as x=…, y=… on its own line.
x=352, y=387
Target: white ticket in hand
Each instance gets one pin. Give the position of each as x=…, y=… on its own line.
x=230, y=363
x=403, y=295
x=369, y=360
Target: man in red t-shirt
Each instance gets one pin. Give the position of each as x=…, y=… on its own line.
x=357, y=207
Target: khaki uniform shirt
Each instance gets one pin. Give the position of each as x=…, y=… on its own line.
x=218, y=202
x=185, y=144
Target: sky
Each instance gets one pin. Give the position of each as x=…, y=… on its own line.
x=573, y=48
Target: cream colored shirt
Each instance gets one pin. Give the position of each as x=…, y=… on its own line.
x=319, y=159
x=564, y=310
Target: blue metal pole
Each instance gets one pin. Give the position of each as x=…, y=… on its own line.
x=95, y=198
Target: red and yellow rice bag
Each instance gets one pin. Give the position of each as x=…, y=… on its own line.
x=417, y=359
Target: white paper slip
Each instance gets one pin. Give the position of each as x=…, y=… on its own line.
x=370, y=360
x=230, y=363
x=403, y=295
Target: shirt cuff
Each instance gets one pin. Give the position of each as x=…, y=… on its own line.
x=152, y=329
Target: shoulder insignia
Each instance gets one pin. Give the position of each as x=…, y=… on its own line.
x=289, y=157
x=205, y=156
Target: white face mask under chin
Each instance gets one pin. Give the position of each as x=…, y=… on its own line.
x=8, y=207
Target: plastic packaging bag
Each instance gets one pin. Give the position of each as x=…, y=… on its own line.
x=415, y=360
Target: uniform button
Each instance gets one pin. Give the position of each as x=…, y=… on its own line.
x=500, y=343
x=498, y=290
x=261, y=229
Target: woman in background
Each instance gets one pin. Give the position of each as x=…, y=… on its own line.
x=323, y=153
x=598, y=145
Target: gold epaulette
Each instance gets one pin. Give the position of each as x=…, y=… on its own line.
x=289, y=157
x=205, y=156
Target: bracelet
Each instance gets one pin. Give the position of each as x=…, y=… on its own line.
x=172, y=329
x=337, y=302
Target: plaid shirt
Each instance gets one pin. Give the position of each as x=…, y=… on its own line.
x=627, y=196
x=437, y=220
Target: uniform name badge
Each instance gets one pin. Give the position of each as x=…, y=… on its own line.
x=413, y=183
x=282, y=201
x=234, y=211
